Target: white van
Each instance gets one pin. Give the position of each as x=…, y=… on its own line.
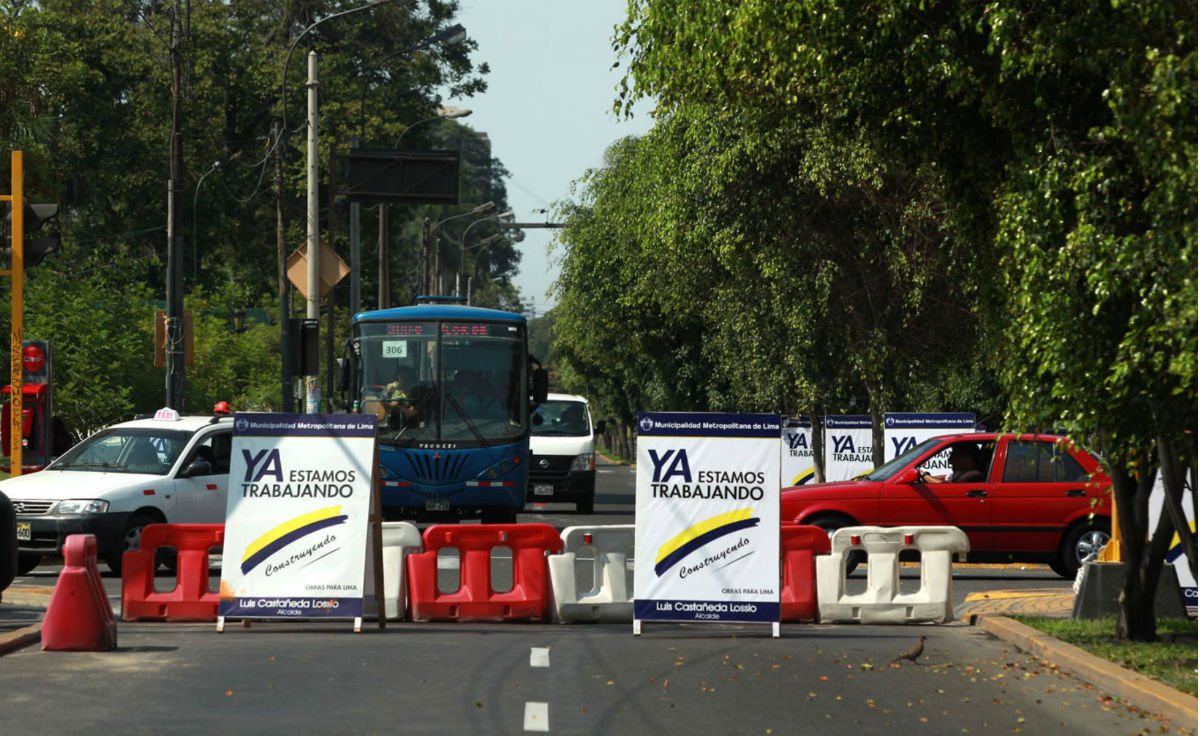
x=562, y=452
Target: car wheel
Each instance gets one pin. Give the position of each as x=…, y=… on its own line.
x=1082, y=544
x=831, y=523
x=498, y=516
x=130, y=541
x=26, y=561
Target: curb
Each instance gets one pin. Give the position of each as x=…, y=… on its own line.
x=14, y=640
x=1130, y=686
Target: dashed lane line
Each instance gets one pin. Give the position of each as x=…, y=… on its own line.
x=537, y=715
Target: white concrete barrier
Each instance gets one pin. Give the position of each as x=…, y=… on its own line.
x=399, y=538
x=610, y=599
x=882, y=602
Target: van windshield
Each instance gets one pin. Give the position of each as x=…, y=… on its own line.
x=561, y=418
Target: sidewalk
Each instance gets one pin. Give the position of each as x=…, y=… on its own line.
x=21, y=609
x=990, y=612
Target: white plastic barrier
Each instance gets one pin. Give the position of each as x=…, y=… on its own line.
x=882, y=602
x=399, y=538
x=610, y=599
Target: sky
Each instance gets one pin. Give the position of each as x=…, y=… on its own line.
x=548, y=108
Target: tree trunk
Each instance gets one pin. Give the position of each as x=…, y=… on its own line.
x=818, y=445
x=1143, y=559
x=1173, y=475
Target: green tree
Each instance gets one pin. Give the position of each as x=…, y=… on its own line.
x=86, y=93
x=1062, y=141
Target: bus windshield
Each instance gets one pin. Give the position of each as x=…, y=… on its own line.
x=443, y=381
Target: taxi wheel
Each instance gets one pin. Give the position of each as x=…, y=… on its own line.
x=131, y=541
x=26, y=561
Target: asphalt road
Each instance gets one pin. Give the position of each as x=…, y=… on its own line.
x=285, y=677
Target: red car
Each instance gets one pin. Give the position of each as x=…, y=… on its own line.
x=1029, y=497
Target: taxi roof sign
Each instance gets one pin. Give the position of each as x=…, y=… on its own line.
x=167, y=414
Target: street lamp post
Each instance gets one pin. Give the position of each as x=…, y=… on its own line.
x=385, y=235
x=479, y=248
x=313, y=255
x=463, y=245
x=452, y=35
x=431, y=262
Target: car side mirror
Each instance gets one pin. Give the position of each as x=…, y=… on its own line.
x=908, y=477
x=198, y=466
x=600, y=425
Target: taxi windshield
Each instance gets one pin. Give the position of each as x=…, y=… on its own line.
x=126, y=450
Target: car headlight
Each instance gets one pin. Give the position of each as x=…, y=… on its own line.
x=81, y=506
x=586, y=461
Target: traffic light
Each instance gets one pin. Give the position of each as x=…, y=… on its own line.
x=36, y=216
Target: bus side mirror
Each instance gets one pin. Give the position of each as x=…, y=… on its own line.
x=600, y=425
x=343, y=379
x=541, y=385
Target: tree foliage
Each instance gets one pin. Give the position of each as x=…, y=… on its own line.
x=1019, y=180
x=86, y=93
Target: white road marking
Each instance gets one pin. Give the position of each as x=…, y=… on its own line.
x=537, y=717
x=539, y=657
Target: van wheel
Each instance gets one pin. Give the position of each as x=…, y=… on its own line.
x=498, y=516
x=586, y=506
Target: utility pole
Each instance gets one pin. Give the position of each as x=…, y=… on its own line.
x=355, y=251
x=385, y=258
x=285, y=320
x=313, y=382
x=426, y=259
x=174, y=332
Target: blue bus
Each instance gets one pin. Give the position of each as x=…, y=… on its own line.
x=452, y=388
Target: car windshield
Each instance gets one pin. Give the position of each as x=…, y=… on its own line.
x=126, y=450
x=561, y=418
x=890, y=468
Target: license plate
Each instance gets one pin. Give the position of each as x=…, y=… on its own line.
x=543, y=489
x=437, y=505
x=24, y=531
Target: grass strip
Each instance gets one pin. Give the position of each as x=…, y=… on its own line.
x=1171, y=660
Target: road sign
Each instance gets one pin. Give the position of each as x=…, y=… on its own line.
x=333, y=268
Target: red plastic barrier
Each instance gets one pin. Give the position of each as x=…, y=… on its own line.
x=475, y=600
x=798, y=547
x=79, y=617
x=191, y=600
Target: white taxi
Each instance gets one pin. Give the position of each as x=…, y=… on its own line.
x=169, y=468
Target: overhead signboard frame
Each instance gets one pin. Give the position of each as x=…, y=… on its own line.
x=415, y=177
